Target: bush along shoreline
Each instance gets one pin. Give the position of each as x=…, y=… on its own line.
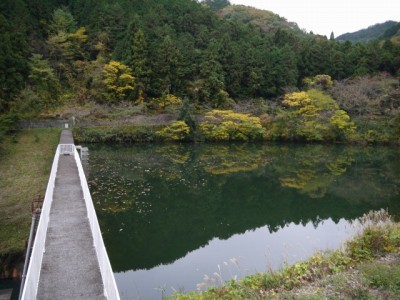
x=368, y=267
x=119, y=134
x=229, y=126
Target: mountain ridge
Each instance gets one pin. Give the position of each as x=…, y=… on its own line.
x=266, y=20
x=376, y=31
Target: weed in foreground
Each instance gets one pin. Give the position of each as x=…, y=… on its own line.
x=345, y=285
x=218, y=278
x=382, y=276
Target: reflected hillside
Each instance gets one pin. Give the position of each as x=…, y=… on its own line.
x=157, y=203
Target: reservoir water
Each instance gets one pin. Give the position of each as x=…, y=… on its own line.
x=184, y=217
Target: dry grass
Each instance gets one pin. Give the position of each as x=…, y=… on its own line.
x=24, y=170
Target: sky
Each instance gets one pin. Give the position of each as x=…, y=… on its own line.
x=324, y=16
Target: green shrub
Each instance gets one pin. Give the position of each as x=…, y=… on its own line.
x=7, y=123
x=123, y=134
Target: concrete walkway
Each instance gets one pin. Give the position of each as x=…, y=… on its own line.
x=70, y=268
x=66, y=137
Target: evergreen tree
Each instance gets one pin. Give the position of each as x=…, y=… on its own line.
x=136, y=57
x=62, y=20
x=231, y=62
x=253, y=72
x=212, y=75
x=14, y=51
x=65, y=43
x=167, y=74
x=44, y=81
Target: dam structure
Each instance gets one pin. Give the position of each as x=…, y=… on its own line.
x=69, y=259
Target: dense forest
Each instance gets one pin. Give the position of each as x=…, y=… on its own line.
x=211, y=53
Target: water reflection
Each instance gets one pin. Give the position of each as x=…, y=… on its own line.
x=242, y=254
x=161, y=205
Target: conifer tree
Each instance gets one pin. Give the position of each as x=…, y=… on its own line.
x=14, y=51
x=43, y=81
x=211, y=72
x=136, y=58
x=169, y=73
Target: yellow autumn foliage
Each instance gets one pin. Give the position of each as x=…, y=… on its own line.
x=299, y=99
x=311, y=116
x=165, y=101
x=118, y=81
x=226, y=125
x=176, y=131
x=321, y=81
x=313, y=175
x=228, y=159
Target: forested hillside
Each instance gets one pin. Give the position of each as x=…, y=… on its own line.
x=266, y=20
x=213, y=54
x=383, y=30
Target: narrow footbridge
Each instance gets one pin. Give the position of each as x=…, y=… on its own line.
x=68, y=260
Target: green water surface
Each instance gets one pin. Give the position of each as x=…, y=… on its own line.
x=187, y=216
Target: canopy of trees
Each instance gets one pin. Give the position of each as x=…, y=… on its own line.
x=210, y=52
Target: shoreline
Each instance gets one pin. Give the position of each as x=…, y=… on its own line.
x=367, y=268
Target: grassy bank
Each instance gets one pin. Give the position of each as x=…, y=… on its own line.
x=230, y=126
x=25, y=162
x=119, y=134
x=367, y=268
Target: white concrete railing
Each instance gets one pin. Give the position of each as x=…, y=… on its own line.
x=67, y=149
x=35, y=263
x=110, y=286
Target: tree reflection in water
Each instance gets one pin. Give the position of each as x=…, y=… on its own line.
x=156, y=203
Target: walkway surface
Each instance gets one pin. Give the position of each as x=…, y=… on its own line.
x=6, y=294
x=70, y=268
